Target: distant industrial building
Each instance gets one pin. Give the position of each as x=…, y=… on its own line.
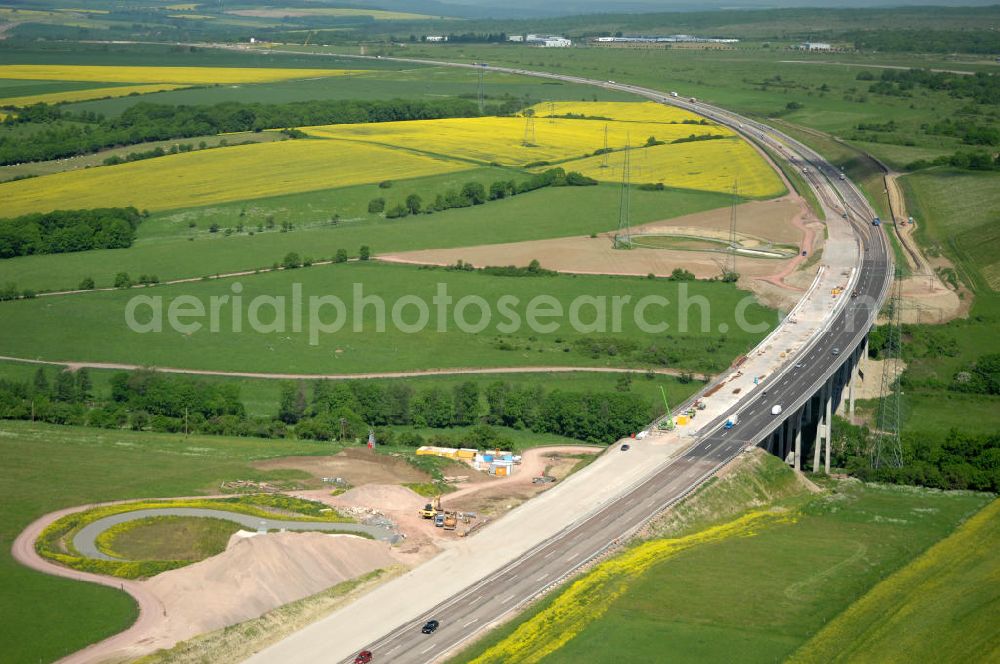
x=815, y=46
x=515, y=38
x=546, y=41
x=669, y=39
x=436, y=38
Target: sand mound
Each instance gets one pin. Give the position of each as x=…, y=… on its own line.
x=381, y=496
x=257, y=574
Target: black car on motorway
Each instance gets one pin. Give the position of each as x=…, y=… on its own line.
x=430, y=627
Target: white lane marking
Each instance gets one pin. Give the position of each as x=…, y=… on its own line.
x=394, y=649
x=549, y=554
x=512, y=577
x=506, y=599
x=572, y=557
x=428, y=648
x=478, y=599
x=474, y=620
x=542, y=577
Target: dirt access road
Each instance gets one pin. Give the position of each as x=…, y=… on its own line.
x=73, y=365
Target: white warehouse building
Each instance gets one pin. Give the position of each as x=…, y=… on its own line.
x=549, y=41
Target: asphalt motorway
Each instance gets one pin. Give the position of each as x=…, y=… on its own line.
x=477, y=607
x=469, y=612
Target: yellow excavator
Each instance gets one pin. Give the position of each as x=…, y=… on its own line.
x=432, y=509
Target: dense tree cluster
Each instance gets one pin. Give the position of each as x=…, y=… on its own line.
x=982, y=87
x=980, y=377
x=66, y=231
x=926, y=41
x=955, y=461
x=970, y=161
x=345, y=410
x=66, y=135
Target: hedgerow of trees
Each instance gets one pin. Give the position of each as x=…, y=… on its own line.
x=475, y=193
x=325, y=410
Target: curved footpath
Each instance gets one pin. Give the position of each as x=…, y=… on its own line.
x=85, y=540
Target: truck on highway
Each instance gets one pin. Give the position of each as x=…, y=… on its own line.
x=731, y=422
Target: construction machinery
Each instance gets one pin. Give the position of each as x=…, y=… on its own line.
x=450, y=520
x=667, y=423
x=431, y=509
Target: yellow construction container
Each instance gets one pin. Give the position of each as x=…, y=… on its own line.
x=430, y=450
x=682, y=420
x=467, y=453
x=501, y=471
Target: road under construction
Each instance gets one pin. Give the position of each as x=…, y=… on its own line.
x=806, y=366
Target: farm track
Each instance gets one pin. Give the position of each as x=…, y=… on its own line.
x=75, y=365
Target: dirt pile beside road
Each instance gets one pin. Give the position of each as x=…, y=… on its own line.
x=256, y=574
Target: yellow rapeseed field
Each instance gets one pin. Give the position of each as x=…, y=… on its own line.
x=914, y=614
x=216, y=176
x=640, y=111
x=589, y=598
x=179, y=75
x=502, y=139
x=85, y=95
x=703, y=165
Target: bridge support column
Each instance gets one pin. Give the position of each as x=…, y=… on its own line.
x=798, y=442
x=818, y=444
x=828, y=419
x=782, y=452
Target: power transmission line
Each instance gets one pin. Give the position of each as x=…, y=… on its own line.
x=623, y=238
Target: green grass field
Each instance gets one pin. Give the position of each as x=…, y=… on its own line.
x=168, y=538
x=956, y=215
x=941, y=607
x=759, y=598
x=36, y=328
x=51, y=467
x=169, y=247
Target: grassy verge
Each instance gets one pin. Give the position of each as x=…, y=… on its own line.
x=941, y=607
x=167, y=538
x=798, y=183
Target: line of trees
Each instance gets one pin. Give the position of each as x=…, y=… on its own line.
x=476, y=193
x=322, y=410
x=64, y=231
x=64, y=134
